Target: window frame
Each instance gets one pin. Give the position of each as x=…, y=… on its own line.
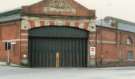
x=130, y=56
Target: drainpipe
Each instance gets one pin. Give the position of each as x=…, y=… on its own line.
x=101, y=54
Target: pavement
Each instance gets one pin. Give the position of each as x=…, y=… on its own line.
x=8, y=72
x=5, y=64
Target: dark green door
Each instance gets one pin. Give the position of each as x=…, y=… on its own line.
x=43, y=48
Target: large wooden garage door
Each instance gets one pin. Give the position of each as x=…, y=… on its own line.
x=58, y=46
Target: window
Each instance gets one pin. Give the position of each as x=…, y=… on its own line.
x=129, y=41
x=7, y=45
x=114, y=23
x=130, y=55
x=10, y=45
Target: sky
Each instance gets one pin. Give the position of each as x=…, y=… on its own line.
x=124, y=9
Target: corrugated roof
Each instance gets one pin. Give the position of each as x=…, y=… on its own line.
x=121, y=24
x=126, y=27
x=104, y=23
x=120, y=20
x=10, y=15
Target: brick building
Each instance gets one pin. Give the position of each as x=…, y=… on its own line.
x=63, y=33
x=115, y=42
x=50, y=33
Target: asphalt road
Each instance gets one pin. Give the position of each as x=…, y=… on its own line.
x=67, y=73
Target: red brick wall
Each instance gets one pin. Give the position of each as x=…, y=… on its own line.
x=112, y=48
x=10, y=31
x=124, y=47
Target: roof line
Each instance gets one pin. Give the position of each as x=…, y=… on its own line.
x=10, y=12
x=121, y=20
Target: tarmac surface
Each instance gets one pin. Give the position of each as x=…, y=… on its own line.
x=8, y=72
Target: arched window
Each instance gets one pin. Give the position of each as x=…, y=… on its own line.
x=129, y=41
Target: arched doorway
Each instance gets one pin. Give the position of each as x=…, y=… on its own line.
x=58, y=46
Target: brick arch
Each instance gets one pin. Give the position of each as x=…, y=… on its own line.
x=60, y=30
x=29, y=24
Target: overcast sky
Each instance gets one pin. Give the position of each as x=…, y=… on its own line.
x=124, y=9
